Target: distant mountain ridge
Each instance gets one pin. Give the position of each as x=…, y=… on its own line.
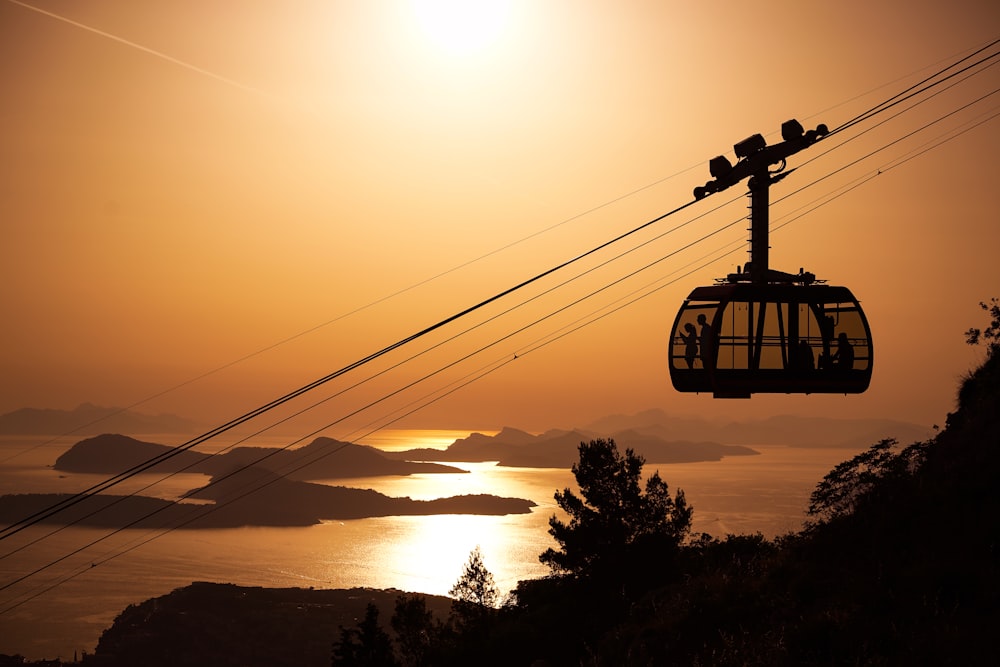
x=560, y=449
x=663, y=438
x=89, y=419
x=788, y=430
x=657, y=436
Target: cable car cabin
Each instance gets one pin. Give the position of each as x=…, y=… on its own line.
x=739, y=339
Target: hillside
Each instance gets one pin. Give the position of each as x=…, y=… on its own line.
x=899, y=567
x=225, y=625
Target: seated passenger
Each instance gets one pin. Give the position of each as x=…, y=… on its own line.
x=843, y=358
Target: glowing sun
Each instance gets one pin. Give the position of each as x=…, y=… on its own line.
x=462, y=26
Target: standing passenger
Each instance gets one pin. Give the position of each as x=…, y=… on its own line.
x=690, y=344
x=706, y=338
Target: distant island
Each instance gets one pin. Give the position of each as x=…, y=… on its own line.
x=283, y=495
x=326, y=458
x=270, y=486
x=246, y=497
x=784, y=430
x=323, y=458
x=560, y=449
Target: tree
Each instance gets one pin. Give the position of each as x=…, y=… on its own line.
x=420, y=637
x=991, y=335
x=476, y=583
x=614, y=515
x=975, y=385
x=368, y=645
x=476, y=595
x=868, y=477
x=415, y=629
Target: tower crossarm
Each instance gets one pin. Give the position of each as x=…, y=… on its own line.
x=755, y=157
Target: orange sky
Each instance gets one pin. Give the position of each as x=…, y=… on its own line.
x=184, y=185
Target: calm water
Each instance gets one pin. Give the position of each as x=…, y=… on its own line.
x=66, y=607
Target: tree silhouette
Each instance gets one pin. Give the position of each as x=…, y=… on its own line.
x=476, y=583
x=864, y=478
x=614, y=515
x=975, y=384
x=476, y=595
x=991, y=335
x=368, y=645
x=416, y=630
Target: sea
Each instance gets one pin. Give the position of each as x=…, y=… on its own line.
x=61, y=588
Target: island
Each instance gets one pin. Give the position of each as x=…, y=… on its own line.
x=243, y=497
x=323, y=458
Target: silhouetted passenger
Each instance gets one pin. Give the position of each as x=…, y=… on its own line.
x=805, y=360
x=706, y=340
x=826, y=325
x=843, y=358
x=690, y=344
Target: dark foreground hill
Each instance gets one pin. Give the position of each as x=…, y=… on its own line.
x=224, y=625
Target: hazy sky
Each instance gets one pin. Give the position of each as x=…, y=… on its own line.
x=184, y=184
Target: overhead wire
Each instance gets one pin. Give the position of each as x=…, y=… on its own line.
x=256, y=91
x=898, y=140
x=865, y=178
x=950, y=59
x=899, y=113
x=927, y=147
x=354, y=311
x=877, y=109
x=174, y=451
x=915, y=89
x=193, y=464
x=274, y=452
x=252, y=486
x=896, y=99
x=891, y=143
x=566, y=330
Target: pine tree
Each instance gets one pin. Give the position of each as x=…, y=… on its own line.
x=613, y=515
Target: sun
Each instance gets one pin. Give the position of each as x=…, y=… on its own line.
x=461, y=27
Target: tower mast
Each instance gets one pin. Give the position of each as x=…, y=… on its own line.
x=754, y=161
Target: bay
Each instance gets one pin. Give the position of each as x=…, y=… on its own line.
x=63, y=609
